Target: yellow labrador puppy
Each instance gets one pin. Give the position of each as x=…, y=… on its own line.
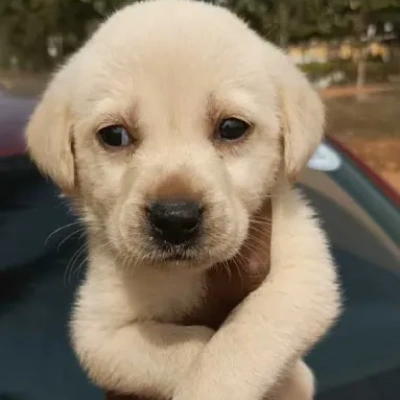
x=170, y=129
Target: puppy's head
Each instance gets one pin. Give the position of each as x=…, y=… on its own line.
x=167, y=128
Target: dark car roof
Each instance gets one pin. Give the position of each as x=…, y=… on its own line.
x=14, y=115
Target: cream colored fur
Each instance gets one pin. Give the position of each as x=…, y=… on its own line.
x=162, y=69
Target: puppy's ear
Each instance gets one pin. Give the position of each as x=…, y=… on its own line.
x=302, y=117
x=48, y=134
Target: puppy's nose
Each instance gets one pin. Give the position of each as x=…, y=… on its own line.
x=175, y=222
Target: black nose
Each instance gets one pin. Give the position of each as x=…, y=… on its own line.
x=175, y=222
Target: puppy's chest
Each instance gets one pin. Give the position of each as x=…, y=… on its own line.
x=201, y=300
x=225, y=288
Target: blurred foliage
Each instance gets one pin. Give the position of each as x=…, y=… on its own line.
x=377, y=71
x=37, y=34
x=316, y=18
x=30, y=27
x=261, y=15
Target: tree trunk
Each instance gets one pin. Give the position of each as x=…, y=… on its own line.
x=361, y=73
x=283, y=12
x=4, y=51
x=360, y=28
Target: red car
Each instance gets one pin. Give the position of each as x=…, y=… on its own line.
x=42, y=260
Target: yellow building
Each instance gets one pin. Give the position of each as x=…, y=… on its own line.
x=322, y=52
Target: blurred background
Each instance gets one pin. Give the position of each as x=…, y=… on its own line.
x=350, y=49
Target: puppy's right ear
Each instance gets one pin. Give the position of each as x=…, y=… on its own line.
x=49, y=133
x=302, y=115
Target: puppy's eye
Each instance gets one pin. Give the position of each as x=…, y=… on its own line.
x=115, y=136
x=232, y=129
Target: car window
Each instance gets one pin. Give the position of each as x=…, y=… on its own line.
x=364, y=343
x=39, y=273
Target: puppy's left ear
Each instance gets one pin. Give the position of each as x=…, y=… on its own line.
x=302, y=116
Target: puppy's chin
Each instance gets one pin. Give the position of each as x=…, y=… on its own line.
x=176, y=260
x=181, y=264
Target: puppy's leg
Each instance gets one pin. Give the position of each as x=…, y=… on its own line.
x=298, y=384
x=128, y=356
x=282, y=319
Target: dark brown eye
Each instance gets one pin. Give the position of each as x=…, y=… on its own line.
x=232, y=129
x=115, y=136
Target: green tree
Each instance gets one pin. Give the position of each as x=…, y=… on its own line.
x=283, y=21
x=259, y=14
x=40, y=33
x=352, y=18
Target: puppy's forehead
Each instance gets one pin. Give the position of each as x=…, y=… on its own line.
x=175, y=46
x=164, y=26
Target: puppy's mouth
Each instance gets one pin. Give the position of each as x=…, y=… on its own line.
x=177, y=257
x=181, y=253
x=196, y=255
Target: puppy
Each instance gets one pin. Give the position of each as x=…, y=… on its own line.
x=175, y=131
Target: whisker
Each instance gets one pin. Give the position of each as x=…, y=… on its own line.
x=58, y=230
x=70, y=265
x=82, y=263
x=68, y=237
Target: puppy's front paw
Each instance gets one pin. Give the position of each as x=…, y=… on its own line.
x=298, y=385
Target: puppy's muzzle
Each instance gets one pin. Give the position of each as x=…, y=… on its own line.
x=175, y=222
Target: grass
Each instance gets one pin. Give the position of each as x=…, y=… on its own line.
x=376, y=116
x=370, y=128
